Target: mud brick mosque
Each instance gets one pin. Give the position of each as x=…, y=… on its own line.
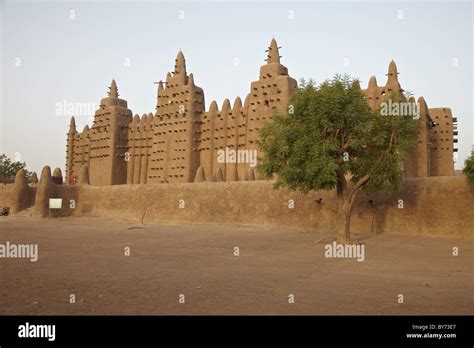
x=180, y=140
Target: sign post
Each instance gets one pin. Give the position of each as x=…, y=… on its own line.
x=55, y=203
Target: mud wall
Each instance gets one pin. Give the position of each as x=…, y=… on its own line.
x=6, y=191
x=433, y=206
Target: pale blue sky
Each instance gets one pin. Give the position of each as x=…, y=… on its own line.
x=63, y=59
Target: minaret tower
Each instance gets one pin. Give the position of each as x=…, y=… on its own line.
x=71, y=134
x=175, y=155
x=108, y=137
x=270, y=93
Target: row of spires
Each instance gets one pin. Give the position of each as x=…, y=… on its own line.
x=72, y=126
x=213, y=108
x=392, y=75
x=188, y=80
x=226, y=106
x=273, y=56
x=148, y=118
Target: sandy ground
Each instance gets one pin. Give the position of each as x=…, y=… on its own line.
x=86, y=257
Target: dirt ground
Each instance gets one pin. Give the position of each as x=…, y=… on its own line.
x=85, y=257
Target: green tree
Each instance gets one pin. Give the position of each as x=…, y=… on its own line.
x=330, y=138
x=8, y=168
x=468, y=169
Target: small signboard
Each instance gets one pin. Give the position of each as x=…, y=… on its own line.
x=55, y=203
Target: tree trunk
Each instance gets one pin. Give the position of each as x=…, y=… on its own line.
x=345, y=200
x=345, y=209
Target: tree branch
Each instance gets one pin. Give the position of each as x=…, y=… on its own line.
x=362, y=181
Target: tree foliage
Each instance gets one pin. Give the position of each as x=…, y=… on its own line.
x=8, y=168
x=468, y=169
x=306, y=148
x=328, y=134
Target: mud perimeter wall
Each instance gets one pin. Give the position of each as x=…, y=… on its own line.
x=6, y=197
x=433, y=206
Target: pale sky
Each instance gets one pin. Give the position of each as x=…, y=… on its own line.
x=64, y=52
